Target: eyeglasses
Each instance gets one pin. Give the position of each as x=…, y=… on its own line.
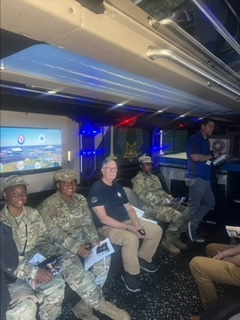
x=110, y=169
x=69, y=183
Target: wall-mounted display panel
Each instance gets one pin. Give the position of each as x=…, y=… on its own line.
x=29, y=150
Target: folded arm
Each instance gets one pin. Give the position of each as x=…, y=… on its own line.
x=57, y=235
x=230, y=255
x=147, y=196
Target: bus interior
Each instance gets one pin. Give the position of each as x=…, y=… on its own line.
x=82, y=80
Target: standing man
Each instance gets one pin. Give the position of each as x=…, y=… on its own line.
x=116, y=219
x=156, y=204
x=198, y=177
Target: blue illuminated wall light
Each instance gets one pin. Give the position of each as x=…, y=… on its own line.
x=88, y=135
x=157, y=143
x=87, y=152
x=89, y=130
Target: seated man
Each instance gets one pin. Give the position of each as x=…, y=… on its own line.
x=18, y=300
x=156, y=204
x=32, y=237
x=224, y=267
x=116, y=219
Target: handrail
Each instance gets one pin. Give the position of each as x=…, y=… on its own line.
x=155, y=53
x=233, y=11
x=217, y=25
x=180, y=33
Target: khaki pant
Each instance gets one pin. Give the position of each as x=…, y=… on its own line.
x=207, y=271
x=130, y=244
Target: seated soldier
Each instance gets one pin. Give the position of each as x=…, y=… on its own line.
x=223, y=266
x=68, y=213
x=156, y=203
x=116, y=219
x=32, y=238
x=18, y=300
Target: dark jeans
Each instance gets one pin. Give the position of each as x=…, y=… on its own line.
x=200, y=200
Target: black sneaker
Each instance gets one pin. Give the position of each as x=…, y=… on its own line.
x=194, y=237
x=130, y=282
x=147, y=266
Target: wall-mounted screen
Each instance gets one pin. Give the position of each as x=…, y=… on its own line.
x=29, y=150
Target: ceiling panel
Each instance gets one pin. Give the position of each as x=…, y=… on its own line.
x=106, y=57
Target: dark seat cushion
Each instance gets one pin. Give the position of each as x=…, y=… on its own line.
x=225, y=308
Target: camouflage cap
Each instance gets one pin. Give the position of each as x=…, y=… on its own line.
x=145, y=159
x=65, y=174
x=12, y=181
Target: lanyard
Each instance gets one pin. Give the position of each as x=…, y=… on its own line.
x=26, y=235
x=25, y=244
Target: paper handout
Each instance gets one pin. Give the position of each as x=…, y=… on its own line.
x=95, y=257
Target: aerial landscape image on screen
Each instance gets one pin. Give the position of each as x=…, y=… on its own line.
x=29, y=150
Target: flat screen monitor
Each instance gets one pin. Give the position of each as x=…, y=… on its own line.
x=29, y=150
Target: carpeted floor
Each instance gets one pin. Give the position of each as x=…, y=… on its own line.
x=168, y=294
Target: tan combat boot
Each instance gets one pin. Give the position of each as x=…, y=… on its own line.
x=170, y=246
x=109, y=309
x=179, y=244
x=83, y=311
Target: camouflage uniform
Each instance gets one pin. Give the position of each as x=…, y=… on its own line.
x=152, y=199
x=75, y=228
x=32, y=231
x=70, y=214
x=17, y=299
x=23, y=301
x=32, y=236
